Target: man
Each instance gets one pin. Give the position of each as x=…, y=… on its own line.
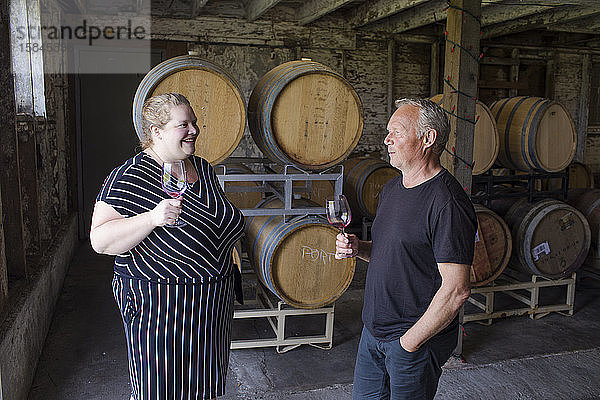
x=419, y=262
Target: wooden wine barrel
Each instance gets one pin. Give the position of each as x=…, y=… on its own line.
x=303, y=113
x=295, y=260
x=214, y=94
x=236, y=254
x=486, y=142
x=505, y=198
x=246, y=199
x=535, y=134
x=580, y=177
x=587, y=201
x=364, y=177
x=550, y=237
x=493, y=247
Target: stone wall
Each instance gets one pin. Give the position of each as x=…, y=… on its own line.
x=38, y=155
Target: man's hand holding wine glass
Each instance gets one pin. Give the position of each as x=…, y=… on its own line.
x=346, y=245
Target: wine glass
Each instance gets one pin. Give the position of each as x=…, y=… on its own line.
x=174, y=183
x=338, y=212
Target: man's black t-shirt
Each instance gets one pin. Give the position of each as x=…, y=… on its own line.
x=414, y=229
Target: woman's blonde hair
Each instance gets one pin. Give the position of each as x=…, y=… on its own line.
x=157, y=111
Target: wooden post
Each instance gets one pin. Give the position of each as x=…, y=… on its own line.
x=390, y=76
x=514, y=72
x=9, y=173
x=434, y=74
x=549, y=86
x=461, y=69
x=584, y=106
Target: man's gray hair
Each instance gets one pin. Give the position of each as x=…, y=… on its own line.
x=431, y=116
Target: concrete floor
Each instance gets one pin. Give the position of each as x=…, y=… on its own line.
x=555, y=357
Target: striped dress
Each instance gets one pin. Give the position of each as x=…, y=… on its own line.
x=175, y=288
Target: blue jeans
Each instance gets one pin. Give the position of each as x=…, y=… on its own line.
x=384, y=370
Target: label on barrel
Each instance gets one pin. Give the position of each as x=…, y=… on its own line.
x=566, y=222
x=317, y=254
x=539, y=249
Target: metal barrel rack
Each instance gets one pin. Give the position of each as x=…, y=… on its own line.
x=276, y=316
x=277, y=312
x=281, y=185
x=489, y=181
x=522, y=287
x=527, y=292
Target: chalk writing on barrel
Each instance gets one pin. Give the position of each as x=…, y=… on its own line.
x=317, y=254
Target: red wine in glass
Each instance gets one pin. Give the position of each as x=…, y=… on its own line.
x=174, y=183
x=338, y=212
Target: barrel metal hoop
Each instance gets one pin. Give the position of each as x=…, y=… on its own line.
x=507, y=130
x=255, y=244
x=592, y=207
x=534, y=121
x=272, y=243
x=266, y=254
x=499, y=108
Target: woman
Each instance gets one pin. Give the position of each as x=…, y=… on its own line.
x=173, y=285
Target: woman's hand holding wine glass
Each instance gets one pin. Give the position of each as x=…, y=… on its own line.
x=166, y=212
x=174, y=183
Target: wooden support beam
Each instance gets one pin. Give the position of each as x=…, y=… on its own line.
x=581, y=123
x=584, y=25
x=256, y=8
x=391, y=53
x=502, y=85
x=461, y=69
x=560, y=15
x=499, y=13
x=197, y=7
x=371, y=11
x=595, y=30
x=514, y=73
x=549, y=84
x=434, y=75
x=9, y=173
x=315, y=9
x=425, y=14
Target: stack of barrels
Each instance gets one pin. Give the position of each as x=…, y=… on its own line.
x=550, y=238
x=305, y=114
x=300, y=113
